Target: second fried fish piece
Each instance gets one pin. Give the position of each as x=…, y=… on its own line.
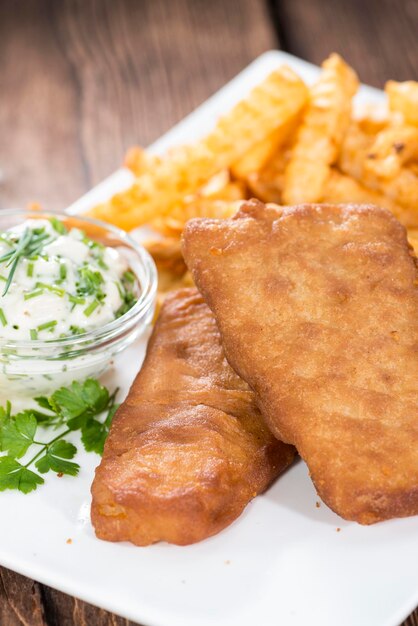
x=188, y=448
x=317, y=306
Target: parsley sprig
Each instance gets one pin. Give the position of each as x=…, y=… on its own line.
x=28, y=245
x=78, y=407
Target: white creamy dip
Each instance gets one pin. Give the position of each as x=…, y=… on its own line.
x=68, y=286
x=57, y=283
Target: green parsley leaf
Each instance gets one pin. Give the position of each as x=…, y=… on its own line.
x=94, y=433
x=5, y=413
x=81, y=400
x=69, y=400
x=17, y=434
x=93, y=436
x=95, y=395
x=44, y=403
x=55, y=459
x=13, y=475
x=74, y=407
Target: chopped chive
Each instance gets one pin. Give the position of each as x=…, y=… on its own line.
x=120, y=289
x=101, y=263
x=63, y=271
x=77, y=330
x=92, y=244
x=33, y=333
x=47, y=325
x=30, y=269
x=91, y=307
x=3, y=319
x=5, y=238
x=30, y=243
x=90, y=283
x=76, y=299
x=129, y=277
x=2, y=278
x=33, y=294
x=58, y=226
x=56, y=290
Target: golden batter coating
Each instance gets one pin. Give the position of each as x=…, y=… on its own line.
x=188, y=448
x=317, y=309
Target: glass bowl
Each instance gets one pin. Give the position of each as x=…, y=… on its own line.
x=30, y=368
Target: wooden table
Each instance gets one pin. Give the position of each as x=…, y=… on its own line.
x=81, y=80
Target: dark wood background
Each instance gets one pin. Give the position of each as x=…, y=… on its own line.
x=81, y=80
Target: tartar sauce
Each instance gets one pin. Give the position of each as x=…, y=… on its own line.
x=58, y=283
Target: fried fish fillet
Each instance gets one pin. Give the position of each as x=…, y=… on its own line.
x=317, y=310
x=187, y=449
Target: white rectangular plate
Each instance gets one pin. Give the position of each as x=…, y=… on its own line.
x=282, y=562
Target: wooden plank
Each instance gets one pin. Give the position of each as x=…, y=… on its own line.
x=377, y=37
x=20, y=601
x=412, y=620
x=63, y=610
x=85, y=79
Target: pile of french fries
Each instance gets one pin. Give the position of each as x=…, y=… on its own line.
x=285, y=143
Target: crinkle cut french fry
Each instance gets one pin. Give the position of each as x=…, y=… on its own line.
x=231, y=191
x=413, y=239
x=173, y=224
x=321, y=133
x=340, y=188
x=172, y=270
x=263, y=152
x=354, y=149
x=401, y=190
x=371, y=121
x=215, y=185
x=265, y=189
x=267, y=185
x=168, y=226
x=403, y=98
x=139, y=160
x=392, y=148
x=209, y=207
x=220, y=198
x=271, y=104
x=167, y=255
x=256, y=157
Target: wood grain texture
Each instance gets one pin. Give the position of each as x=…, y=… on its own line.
x=63, y=610
x=20, y=601
x=377, y=37
x=87, y=79
x=412, y=619
x=81, y=80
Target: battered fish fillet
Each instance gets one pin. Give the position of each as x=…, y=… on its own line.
x=317, y=309
x=187, y=449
